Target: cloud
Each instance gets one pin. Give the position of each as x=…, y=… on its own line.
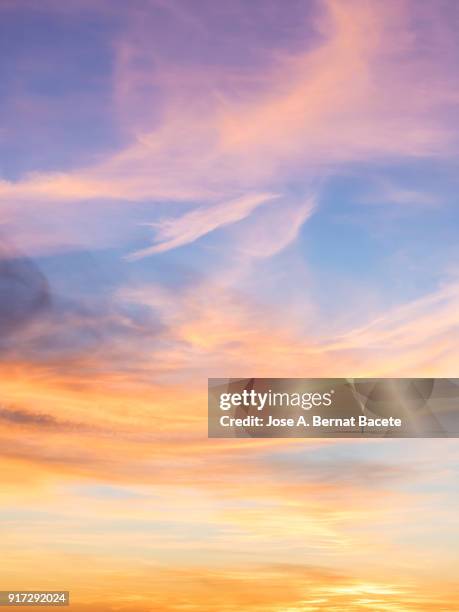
x=271, y=229
x=387, y=193
x=199, y=222
x=344, y=99
x=24, y=292
x=215, y=328
x=23, y=417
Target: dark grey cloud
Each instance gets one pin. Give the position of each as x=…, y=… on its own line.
x=24, y=291
x=71, y=332
x=23, y=417
x=41, y=420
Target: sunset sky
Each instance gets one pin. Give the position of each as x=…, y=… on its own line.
x=194, y=189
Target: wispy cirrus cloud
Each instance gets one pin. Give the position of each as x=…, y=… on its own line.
x=228, y=330
x=199, y=222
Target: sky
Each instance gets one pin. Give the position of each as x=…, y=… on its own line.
x=210, y=189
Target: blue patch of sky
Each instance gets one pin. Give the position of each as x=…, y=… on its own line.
x=359, y=236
